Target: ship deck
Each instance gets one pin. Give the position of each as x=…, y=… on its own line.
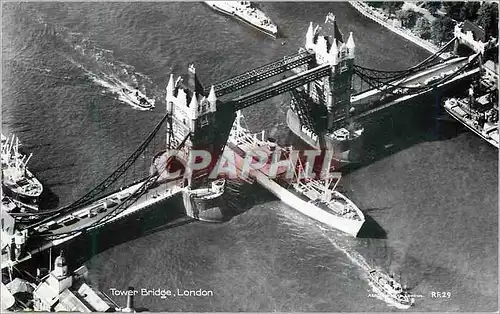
x=489, y=132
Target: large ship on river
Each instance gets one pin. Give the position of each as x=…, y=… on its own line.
x=18, y=182
x=315, y=198
x=247, y=13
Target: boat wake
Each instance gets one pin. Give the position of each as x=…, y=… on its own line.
x=118, y=77
x=98, y=64
x=121, y=89
x=361, y=262
x=344, y=244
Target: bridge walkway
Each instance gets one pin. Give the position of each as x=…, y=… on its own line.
x=279, y=87
x=256, y=75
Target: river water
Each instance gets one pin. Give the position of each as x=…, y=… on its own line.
x=433, y=194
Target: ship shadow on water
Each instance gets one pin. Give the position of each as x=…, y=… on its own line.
x=48, y=199
x=247, y=196
x=371, y=228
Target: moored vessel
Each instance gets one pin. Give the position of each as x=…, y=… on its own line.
x=247, y=13
x=315, y=198
x=478, y=115
x=390, y=288
x=18, y=182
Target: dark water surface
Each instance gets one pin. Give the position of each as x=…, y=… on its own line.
x=434, y=196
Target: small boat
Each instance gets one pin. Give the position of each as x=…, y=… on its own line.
x=389, y=287
x=136, y=98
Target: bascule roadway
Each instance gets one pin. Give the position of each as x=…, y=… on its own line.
x=80, y=219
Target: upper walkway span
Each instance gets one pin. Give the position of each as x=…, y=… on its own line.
x=279, y=87
x=261, y=73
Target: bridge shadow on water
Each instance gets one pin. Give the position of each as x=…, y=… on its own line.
x=400, y=128
x=165, y=215
x=391, y=131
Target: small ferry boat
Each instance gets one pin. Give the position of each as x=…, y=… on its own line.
x=136, y=98
x=312, y=197
x=389, y=287
x=481, y=117
x=245, y=12
x=18, y=182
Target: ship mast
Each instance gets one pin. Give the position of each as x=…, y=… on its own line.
x=27, y=159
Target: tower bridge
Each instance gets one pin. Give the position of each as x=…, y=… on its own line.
x=199, y=118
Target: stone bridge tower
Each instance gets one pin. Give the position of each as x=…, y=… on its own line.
x=334, y=91
x=202, y=117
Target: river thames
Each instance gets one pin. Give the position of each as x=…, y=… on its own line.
x=434, y=192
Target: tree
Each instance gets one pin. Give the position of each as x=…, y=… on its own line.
x=469, y=11
x=392, y=6
x=488, y=18
x=423, y=28
x=432, y=6
x=453, y=9
x=408, y=18
x=375, y=4
x=442, y=29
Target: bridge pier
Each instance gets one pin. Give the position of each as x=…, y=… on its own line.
x=331, y=93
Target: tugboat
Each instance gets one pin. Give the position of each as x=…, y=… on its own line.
x=389, y=287
x=18, y=182
x=315, y=198
x=245, y=12
x=136, y=98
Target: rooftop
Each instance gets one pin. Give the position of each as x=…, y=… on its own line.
x=477, y=32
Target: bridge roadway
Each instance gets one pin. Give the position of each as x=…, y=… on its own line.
x=261, y=73
x=279, y=87
x=405, y=98
x=79, y=219
x=415, y=80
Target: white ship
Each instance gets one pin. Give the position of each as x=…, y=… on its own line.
x=245, y=12
x=315, y=198
x=18, y=182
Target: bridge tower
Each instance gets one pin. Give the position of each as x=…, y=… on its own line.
x=196, y=115
x=334, y=91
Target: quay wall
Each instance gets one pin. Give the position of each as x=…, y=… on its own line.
x=371, y=14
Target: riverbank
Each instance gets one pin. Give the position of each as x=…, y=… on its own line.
x=379, y=18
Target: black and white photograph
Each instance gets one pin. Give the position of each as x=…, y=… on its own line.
x=237, y=156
